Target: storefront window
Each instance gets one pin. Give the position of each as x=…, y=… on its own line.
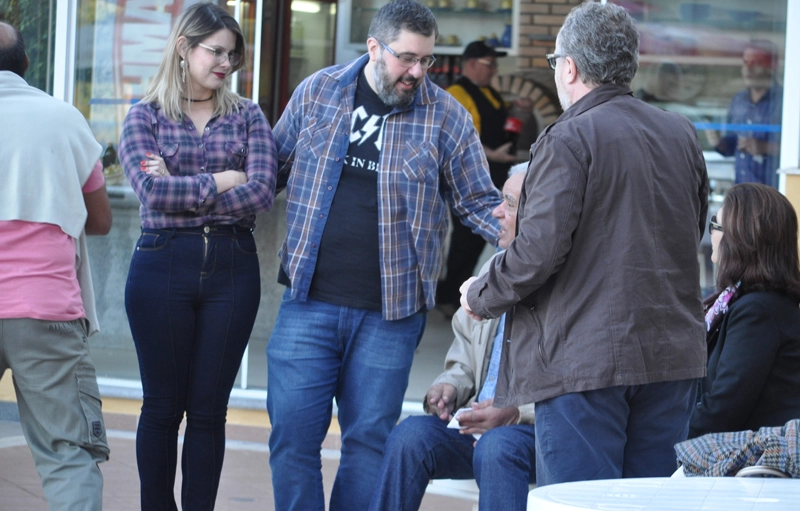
x=692, y=57
x=720, y=64
x=37, y=23
x=312, y=30
x=118, y=48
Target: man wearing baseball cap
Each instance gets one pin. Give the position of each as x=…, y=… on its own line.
x=490, y=115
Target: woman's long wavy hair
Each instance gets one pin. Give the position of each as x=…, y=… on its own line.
x=759, y=241
x=196, y=23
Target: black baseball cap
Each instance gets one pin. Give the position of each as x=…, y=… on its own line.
x=479, y=49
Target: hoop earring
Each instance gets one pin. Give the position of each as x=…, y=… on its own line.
x=183, y=71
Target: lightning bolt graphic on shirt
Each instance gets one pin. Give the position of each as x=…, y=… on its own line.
x=373, y=124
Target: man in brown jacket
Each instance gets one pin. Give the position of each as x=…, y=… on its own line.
x=606, y=331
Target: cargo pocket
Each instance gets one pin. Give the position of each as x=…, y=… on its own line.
x=89, y=397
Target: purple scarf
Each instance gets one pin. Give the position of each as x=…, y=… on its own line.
x=716, y=312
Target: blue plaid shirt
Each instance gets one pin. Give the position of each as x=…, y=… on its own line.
x=431, y=158
x=765, y=117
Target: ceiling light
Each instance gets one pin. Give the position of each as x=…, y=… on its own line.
x=305, y=6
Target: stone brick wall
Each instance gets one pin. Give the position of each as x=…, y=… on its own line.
x=539, y=23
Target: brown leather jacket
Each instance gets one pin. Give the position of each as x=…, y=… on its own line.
x=602, y=278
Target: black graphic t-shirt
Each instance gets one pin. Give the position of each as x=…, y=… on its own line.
x=348, y=268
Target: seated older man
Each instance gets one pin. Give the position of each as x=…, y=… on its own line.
x=421, y=448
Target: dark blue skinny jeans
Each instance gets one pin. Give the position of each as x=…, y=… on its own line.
x=191, y=299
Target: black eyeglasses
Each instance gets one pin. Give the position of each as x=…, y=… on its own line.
x=713, y=225
x=407, y=60
x=551, y=59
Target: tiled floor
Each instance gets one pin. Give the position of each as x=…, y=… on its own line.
x=245, y=483
x=246, y=480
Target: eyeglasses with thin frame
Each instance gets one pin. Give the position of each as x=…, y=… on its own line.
x=713, y=225
x=407, y=60
x=221, y=56
x=489, y=63
x=551, y=59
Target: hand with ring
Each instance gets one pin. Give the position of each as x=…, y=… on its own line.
x=155, y=166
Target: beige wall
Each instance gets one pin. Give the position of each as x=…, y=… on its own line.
x=539, y=23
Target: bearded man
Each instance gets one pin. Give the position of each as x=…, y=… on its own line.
x=372, y=155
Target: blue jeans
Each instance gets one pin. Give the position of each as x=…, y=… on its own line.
x=191, y=299
x=319, y=352
x=422, y=448
x=624, y=431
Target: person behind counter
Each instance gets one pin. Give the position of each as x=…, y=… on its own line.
x=753, y=321
x=202, y=162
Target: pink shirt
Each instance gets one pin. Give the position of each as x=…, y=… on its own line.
x=37, y=268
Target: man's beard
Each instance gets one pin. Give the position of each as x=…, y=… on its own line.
x=386, y=86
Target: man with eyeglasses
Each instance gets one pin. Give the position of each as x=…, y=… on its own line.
x=490, y=114
x=372, y=155
x=602, y=281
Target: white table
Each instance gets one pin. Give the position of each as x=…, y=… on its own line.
x=670, y=494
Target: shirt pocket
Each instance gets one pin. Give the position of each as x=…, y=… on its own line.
x=235, y=155
x=311, y=161
x=168, y=150
x=420, y=163
x=417, y=197
x=313, y=139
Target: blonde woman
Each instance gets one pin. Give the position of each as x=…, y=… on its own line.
x=202, y=162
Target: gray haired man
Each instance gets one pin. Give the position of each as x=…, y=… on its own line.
x=602, y=280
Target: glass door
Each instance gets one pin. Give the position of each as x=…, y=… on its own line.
x=37, y=23
x=311, y=34
x=118, y=48
x=706, y=60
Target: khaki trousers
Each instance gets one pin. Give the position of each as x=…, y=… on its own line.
x=59, y=407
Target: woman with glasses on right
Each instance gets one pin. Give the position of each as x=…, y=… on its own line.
x=753, y=321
